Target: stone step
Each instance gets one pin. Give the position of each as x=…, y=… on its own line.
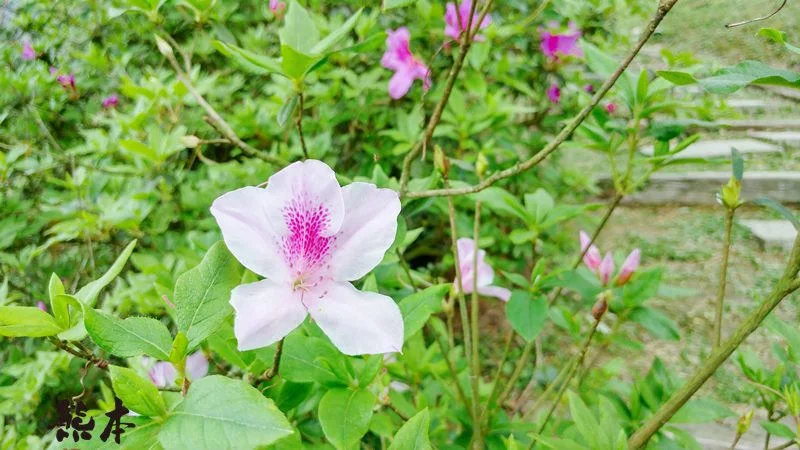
x=746, y=124
x=785, y=138
x=755, y=104
x=721, y=148
x=781, y=91
x=700, y=188
x=772, y=233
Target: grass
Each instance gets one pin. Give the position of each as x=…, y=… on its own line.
x=698, y=26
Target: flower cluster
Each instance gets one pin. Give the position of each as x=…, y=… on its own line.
x=457, y=22
x=604, y=266
x=557, y=43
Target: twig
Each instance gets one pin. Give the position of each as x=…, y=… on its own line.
x=436, y=117
x=88, y=356
x=663, y=8
x=276, y=364
x=401, y=414
x=785, y=286
x=214, y=118
x=406, y=269
x=757, y=19
x=474, y=329
x=452, y=369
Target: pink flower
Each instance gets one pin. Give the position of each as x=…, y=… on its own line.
x=407, y=68
x=557, y=43
x=456, y=23
x=606, y=269
x=28, y=53
x=588, y=88
x=112, y=101
x=629, y=267
x=164, y=374
x=66, y=81
x=40, y=304
x=466, y=264
x=310, y=238
x=611, y=107
x=277, y=7
x=591, y=257
x=554, y=93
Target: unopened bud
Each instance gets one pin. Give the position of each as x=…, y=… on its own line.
x=600, y=307
x=190, y=141
x=481, y=164
x=730, y=193
x=744, y=423
x=440, y=161
x=163, y=47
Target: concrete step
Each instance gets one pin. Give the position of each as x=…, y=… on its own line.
x=755, y=104
x=772, y=233
x=700, y=188
x=784, y=138
x=771, y=123
x=721, y=148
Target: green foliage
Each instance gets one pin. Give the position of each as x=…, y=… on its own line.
x=133, y=336
x=138, y=395
x=344, y=415
x=413, y=435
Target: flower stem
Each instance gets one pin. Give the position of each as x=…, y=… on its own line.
x=785, y=286
x=299, y=123
x=573, y=365
x=442, y=341
x=80, y=353
x=475, y=331
x=723, y=276
x=276, y=363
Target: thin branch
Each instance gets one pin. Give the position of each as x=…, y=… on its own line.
x=276, y=364
x=299, y=123
x=757, y=19
x=452, y=369
x=723, y=276
x=213, y=117
x=664, y=7
x=436, y=117
x=87, y=355
x=401, y=414
x=474, y=329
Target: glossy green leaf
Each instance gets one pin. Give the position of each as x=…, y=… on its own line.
x=137, y=394
x=218, y=413
x=130, y=337
x=27, y=321
x=288, y=107
x=307, y=359
x=295, y=64
x=527, y=314
x=251, y=61
x=418, y=307
x=298, y=31
x=88, y=294
x=57, y=303
x=413, y=435
x=344, y=415
x=656, y=322
x=203, y=293
x=336, y=35
x=737, y=164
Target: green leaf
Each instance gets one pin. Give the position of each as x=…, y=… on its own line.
x=780, y=209
x=219, y=412
x=584, y=420
x=778, y=429
x=131, y=337
x=251, y=61
x=202, y=294
x=737, y=164
x=298, y=31
x=677, y=78
x=180, y=344
x=778, y=37
x=539, y=204
x=337, y=35
x=417, y=308
x=57, y=303
x=526, y=314
x=391, y=4
x=304, y=360
x=413, y=435
x=28, y=321
x=733, y=78
x=345, y=415
x=138, y=148
x=701, y=410
x=503, y=203
x=295, y=64
x=88, y=294
x=288, y=107
x=137, y=394
x=658, y=324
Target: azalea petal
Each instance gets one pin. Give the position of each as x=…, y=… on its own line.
x=240, y=216
x=308, y=190
x=368, y=230
x=196, y=365
x=495, y=291
x=163, y=374
x=265, y=313
x=400, y=83
x=358, y=323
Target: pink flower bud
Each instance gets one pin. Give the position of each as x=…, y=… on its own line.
x=112, y=101
x=41, y=306
x=629, y=267
x=588, y=88
x=611, y=107
x=591, y=257
x=606, y=269
x=554, y=93
x=277, y=7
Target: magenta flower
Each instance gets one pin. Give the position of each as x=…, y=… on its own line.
x=466, y=264
x=164, y=374
x=611, y=107
x=28, y=53
x=310, y=238
x=277, y=7
x=592, y=256
x=112, y=101
x=456, y=23
x=557, y=43
x=554, y=93
x=66, y=81
x=407, y=68
x=629, y=267
x=40, y=304
x=588, y=88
